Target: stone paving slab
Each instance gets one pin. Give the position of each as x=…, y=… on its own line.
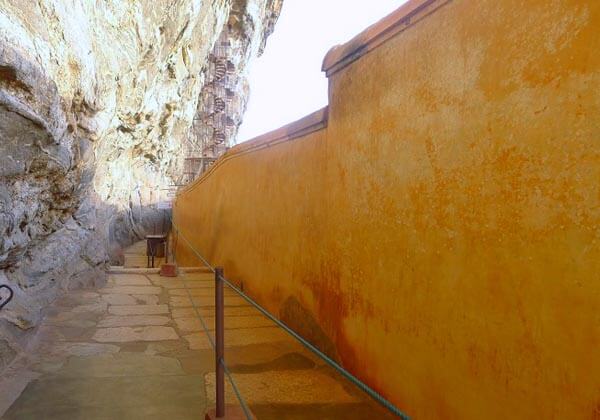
x=198, y=341
x=85, y=349
x=208, y=277
x=140, y=261
x=120, y=364
x=138, y=310
x=98, y=307
x=345, y=411
x=167, y=282
x=204, y=291
x=119, y=299
x=132, y=290
x=133, y=321
x=147, y=397
x=73, y=319
x=193, y=323
x=146, y=299
x=83, y=294
x=239, y=337
x=51, y=333
x=129, y=334
x=183, y=301
x=168, y=348
x=308, y=386
x=128, y=280
x=210, y=311
x=177, y=283
x=12, y=384
x=263, y=354
x=77, y=298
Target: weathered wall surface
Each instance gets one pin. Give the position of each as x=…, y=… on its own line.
x=96, y=98
x=442, y=232
x=266, y=226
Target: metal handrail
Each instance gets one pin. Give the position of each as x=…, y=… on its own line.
x=357, y=382
x=11, y=293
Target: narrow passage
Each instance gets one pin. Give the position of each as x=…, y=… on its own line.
x=135, y=349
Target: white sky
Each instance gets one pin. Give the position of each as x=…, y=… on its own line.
x=286, y=81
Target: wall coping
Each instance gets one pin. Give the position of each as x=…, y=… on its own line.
x=305, y=125
x=309, y=124
x=377, y=34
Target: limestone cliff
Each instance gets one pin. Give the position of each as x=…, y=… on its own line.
x=96, y=101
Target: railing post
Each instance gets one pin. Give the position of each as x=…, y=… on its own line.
x=220, y=342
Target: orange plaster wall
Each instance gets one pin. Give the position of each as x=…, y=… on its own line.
x=444, y=229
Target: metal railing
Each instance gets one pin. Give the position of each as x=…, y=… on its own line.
x=218, y=346
x=4, y=302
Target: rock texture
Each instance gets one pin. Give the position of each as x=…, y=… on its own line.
x=96, y=102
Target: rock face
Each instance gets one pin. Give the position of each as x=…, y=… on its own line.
x=96, y=102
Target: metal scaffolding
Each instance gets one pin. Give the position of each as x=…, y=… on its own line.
x=213, y=127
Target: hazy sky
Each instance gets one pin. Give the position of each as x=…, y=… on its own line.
x=286, y=82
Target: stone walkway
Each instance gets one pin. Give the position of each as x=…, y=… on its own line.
x=135, y=256
x=134, y=349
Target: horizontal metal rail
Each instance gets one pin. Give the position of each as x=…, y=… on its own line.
x=357, y=382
